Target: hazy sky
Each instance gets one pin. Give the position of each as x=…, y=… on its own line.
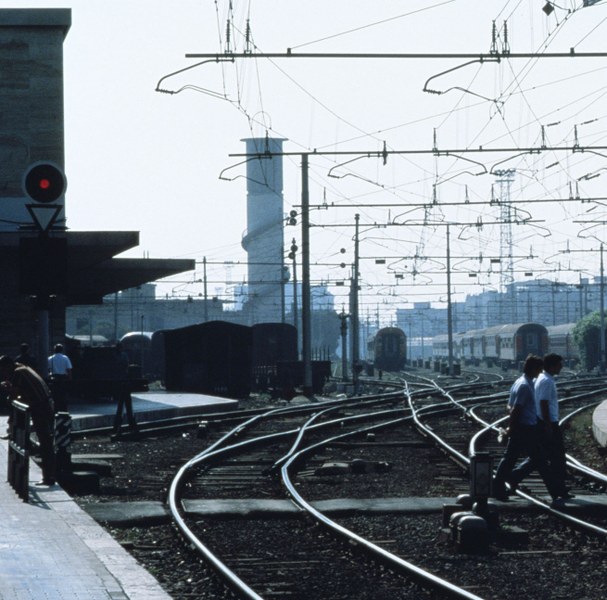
x=140, y=160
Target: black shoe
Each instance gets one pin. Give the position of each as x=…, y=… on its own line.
x=45, y=483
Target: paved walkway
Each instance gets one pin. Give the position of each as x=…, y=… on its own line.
x=50, y=549
x=599, y=424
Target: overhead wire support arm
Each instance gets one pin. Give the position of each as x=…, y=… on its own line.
x=399, y=55
x=434, y=151
x=218, y=58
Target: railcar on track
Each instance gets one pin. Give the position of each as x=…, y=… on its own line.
x=387, y=350
x=502, y=345
x=560, y=341
x=273, y=344
x=209, y=358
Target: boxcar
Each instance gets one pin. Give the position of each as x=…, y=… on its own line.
x=272, y=343
x=209, y=358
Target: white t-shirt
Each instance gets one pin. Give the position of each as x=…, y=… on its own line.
x=545, y=389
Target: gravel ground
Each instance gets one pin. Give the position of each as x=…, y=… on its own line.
x=555, y=564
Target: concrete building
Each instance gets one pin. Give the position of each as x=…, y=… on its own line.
x=45, y=267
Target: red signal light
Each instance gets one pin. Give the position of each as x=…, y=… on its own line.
x=44, y=182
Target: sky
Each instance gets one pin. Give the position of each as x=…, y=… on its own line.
x=165, y=164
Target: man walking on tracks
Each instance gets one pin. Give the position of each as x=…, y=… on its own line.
x=25, y=385
x=547, y=406
x=523, y=435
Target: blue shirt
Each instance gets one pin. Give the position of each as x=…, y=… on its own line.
x=522, y=394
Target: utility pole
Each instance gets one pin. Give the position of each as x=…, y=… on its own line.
x=206, y=297
x=449, y=307
x=344, y=345
x=305, y=278
x=602, y=317
x=293, y=257
x=355, y=332
x=505, y=180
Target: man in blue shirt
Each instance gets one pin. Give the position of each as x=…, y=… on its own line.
x=523, y=435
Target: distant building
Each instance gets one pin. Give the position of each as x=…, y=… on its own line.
x=538, y=301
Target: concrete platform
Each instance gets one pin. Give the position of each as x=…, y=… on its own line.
x=147, y=406
x=51, y=549
x=599, y=424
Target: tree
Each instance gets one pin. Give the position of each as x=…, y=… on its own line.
x=587, y=335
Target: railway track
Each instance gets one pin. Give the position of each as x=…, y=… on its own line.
x=350, y=419
x=292, y=555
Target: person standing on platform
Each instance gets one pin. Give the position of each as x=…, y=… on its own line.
x=547, y=405
x=24, y=384
x=60, y=371
x=523, y=435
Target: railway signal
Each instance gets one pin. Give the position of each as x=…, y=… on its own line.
x=44, y=182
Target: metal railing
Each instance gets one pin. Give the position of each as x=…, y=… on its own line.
x=19, y=449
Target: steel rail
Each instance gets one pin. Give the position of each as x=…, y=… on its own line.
x=209, y=454
x=411, y=570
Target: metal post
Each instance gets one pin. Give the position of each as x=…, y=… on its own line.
x=115, y=317
x=305, y=278
x=206, y=297
x=602, y=315
x=355, y=333
x=293, y=255
x=142, y=349
x=344, y=345
x=449, y=313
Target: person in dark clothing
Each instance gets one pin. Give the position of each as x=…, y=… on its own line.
x=24, y=357
x=523, y=435
x=24, y=384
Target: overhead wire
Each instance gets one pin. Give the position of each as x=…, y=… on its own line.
x=366, y=134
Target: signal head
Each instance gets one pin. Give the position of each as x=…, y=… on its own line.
x=44, y=182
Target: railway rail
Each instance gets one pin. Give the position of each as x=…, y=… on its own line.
x=274, y=557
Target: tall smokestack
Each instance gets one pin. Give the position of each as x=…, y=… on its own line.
x=264, y=239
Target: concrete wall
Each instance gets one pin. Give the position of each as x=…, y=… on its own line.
x=31, y=101
x=31, y=129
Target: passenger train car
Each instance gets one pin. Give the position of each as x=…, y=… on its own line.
x=387, y=349
x=502, y=345
x=560, y=341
